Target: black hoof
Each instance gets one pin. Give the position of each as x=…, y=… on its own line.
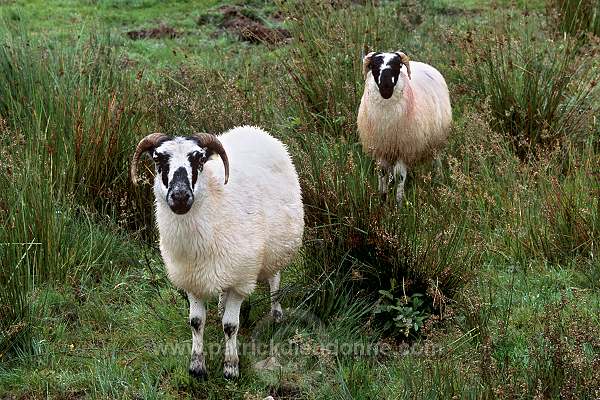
x=198, y=374
x=277, y=316
x=231, y=371
x=197, y=368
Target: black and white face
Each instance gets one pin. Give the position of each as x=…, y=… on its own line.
x=178, y=163
x=385, y=69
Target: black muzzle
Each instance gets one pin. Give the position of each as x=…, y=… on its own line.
x=387, y=83
x=180, y=196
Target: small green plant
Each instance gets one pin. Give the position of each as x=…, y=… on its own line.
x=401, y=315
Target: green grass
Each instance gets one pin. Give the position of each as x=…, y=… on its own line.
x=65, y=21
x=540, y=93
x=576, y=17
x=502, y=248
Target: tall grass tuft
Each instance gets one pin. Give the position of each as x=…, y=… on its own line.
x=542, y=93
x=78, y=112
x=66, y=124
x=356, y=241
x=566, y=225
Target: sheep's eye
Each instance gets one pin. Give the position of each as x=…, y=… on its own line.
x=196, y=163
x=195, y=158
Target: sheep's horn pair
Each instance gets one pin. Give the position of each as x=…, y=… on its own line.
x=149, y=142
x=214, y=145
x=155, y=139
x=405, y=60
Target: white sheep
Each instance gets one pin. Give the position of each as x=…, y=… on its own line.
x=404, y=115
x=218, y=237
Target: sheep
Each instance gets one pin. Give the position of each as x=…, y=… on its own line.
x=404, y=115
x=221, y=235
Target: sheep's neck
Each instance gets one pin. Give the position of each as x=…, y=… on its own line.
x=394, y=114
x=195, y=228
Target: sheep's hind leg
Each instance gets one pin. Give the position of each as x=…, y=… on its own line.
x=400, y=172
x=231, y=323
x=197, y=319
x=276, y=310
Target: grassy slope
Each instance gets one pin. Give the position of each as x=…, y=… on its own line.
x=98, y=337
x=64, y=20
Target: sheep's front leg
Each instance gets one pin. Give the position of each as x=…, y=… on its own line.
x=221, y=306
x=231, y=322
x=197, y=320
x=400, y=172
x=436, y=165
x=384, y=177
x=276, y=310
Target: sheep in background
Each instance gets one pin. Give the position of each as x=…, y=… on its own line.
x=404, y=115
x=218, y=237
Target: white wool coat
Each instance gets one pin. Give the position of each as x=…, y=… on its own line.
x=241, y=232
x=410, y=125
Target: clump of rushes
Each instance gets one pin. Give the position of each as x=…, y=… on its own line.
x=542, y=93
x=66, y=119
x=566, y=226
x=354, y=241
x=79, y=114
x=576, y=17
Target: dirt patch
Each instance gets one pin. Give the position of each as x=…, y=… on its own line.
x=160, y=32
x=285, y=391
x=247, y=27
x=255, y=32
x=458, y=12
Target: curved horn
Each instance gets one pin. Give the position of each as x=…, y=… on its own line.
x=367, y=63
x=405, y=60
x=212, y=143
x=147, y=143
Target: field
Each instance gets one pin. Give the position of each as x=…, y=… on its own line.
x=485, y=283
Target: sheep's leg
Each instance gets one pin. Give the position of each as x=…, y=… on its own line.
x=276, y=310
x=231, y=322
x=384, y=177
x=400, y=172
x=436, y=164
x=221, y=306
x=197, y=319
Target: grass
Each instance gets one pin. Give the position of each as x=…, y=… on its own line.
x=540, y=92
x=576, y=17
x=500, y=251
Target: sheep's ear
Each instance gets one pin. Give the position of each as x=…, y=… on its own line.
x=405, y=60
x=367, y=63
